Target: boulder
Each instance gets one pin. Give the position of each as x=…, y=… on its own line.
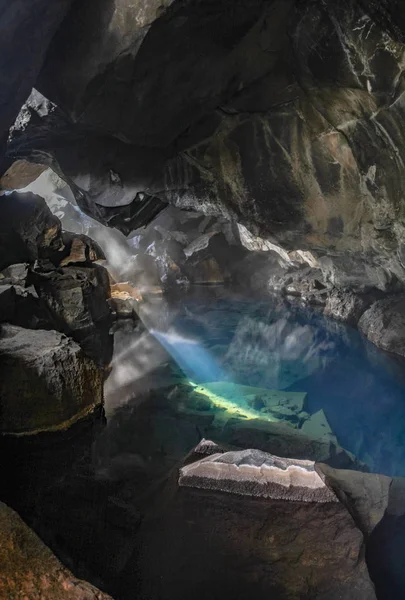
x=30, y=570
x=46, y=381
x=242, y=546
x=384, y=324
x=28, y=229
x=77, y=298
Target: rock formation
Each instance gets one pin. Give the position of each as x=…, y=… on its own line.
x=46, y=381
x=30, y=570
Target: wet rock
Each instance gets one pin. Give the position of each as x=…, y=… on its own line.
x=30, y=570
x=317, y=427
x=255, y=473
x=28, y=229
x=46, y=382
x=77, y=298
x=384, y=324
x=347, y=306
x=284, y=440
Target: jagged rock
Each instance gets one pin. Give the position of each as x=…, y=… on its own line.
x=255, y=473
x=34, y=25
x=28, y=229
x=77, y=298
x=79, y=249
x=384, y=324
x=46, y=381
x=347, y=306
x=30, y=570
x=304, y=150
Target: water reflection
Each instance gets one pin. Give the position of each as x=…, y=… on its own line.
x=276, y=346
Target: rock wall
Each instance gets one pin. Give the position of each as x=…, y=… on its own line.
x=284, y=115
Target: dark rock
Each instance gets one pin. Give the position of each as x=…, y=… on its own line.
x=384, y=324
x=30, y=570
x=33, y=24
x=347, y=306
x=7, y=302
x=248, y=547
x=377, y=505
x=46, y=381
x=79, y=248
x=77, y=298
x=28, y=229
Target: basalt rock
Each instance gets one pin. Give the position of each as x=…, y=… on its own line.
x=384, y=324
x=77, y=298
x=30, y=570
x=28, y=28
x=240, y=545
x=285, y=116
x=46, y=381
x=28, y=229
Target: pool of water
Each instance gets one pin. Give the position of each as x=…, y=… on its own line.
x=278, y=346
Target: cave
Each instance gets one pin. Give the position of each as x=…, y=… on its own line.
x=202, y=299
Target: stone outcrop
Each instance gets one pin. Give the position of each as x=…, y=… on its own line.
x=33, y=25
x=46, y=381
x=384, y=324
x=28, y=229
x=241, y=546
x=50, y=278
x=30, y=570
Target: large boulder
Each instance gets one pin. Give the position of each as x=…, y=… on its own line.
x=247, y=544
x=46, y=381
x=30, y=570
x=28, y=229
x=77, y=298
x=384, y=324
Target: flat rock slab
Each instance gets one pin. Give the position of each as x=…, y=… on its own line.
x=256, y=473
x=29, y=570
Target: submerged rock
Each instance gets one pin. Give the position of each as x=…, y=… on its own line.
x=46, y=381
x=30, y=570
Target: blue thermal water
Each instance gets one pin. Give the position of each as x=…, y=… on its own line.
x=360, y=389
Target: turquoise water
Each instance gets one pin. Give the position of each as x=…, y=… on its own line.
x=274, y=345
